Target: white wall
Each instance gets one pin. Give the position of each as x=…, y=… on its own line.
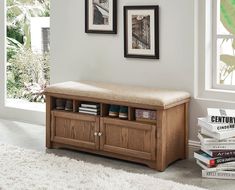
x=76, y=55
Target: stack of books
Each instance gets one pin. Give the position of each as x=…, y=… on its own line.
x=217, y=137
x=89, y=108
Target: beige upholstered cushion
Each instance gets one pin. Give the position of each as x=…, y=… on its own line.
x=117, y=92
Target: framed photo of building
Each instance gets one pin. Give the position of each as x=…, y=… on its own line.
x=141, y=32
x=101, y=16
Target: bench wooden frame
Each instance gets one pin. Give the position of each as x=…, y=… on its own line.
x=156, y=145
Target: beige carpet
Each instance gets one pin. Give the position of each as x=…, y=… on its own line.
x=27, y=169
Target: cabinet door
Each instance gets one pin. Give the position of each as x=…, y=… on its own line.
x=75, y=129
x=128, y=138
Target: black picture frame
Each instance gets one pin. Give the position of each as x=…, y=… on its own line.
x=155, y=54
x=100, y=31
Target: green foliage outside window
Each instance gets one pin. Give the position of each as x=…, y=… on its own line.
x=227, y=18
x=27, y=72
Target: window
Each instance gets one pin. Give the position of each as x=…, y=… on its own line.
x=214, y=50
x=28, y=46
x=223, y=44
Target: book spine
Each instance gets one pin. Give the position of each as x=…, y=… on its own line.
x=224, y=160
x=227, y=164
x=88, y=109
x=215, y=127
x=218, y=128
x=89, y=106
x=87, y=112
x=223, y=154
x=221, y=119
x=218, y=174
x=218, y=146
x=218, y=136
x=226, y=127
x=213, y=141
x=224, y=168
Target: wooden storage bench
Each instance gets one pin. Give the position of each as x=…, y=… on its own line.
x=156, y=144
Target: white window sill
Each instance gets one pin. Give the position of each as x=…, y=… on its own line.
x=221, y=91
x=25, y=105
x=218, y=95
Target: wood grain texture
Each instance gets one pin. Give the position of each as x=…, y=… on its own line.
x=175, y=134
x=128, y=138
x=75, y=129
x=149, y=163
x=156, y=145
x=161, y=140
x=186, y=129
x=171, y=136
x=49, y=107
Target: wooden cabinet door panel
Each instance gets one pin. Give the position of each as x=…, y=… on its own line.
x=128, y=138
x=75, y=129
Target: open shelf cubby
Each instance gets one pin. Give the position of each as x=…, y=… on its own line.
x=145, y=115
x=62, y=104
x=103, y=109
x=88, y=107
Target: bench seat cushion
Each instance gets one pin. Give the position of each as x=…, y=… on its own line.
x=120, y=93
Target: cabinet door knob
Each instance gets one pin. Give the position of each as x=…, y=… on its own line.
x=95, y=133
x=99, y=134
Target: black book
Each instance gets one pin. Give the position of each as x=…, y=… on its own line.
x=220, y=153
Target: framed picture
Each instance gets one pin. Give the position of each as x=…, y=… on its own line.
x=101, y=16
x=141, y=32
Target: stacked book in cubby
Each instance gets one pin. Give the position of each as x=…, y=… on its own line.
x=217, y=137
x=89, y=108
x=145, y=116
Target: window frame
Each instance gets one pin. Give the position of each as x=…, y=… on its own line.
x=203, y=58
x=12, y=112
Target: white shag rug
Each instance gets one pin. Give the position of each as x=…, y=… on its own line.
x=27, y=169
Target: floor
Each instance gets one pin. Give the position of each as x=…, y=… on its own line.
x=186, y=171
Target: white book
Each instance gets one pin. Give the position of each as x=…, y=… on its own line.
x=218, y=174
x=218, y=146
x=216, y=115
x=215, y=127
x=227, y=164
x=209, y=140
x=90, y=105
x=87, y=112
x=219, y=167
x=89, y=109
x=216, y=135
